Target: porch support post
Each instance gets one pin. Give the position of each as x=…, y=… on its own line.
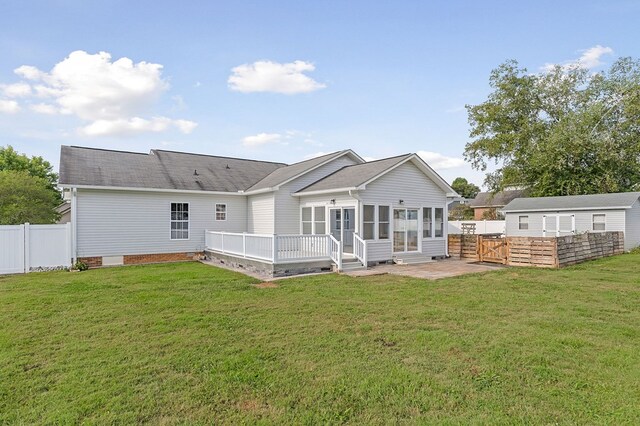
x=274, y=248
x=244, y=244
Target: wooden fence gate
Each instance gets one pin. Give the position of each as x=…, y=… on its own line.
x=492, y=249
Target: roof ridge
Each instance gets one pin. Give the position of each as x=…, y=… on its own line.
x=384, y=159
x=319, y=156
x=217, y=156
x=104, y=149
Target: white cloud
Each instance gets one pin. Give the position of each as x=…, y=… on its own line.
x=16, y=90
x=135, y=125
x=268, y=76
x=261, y=139
x=111, y=95
x=9, y=107
x=369, y=158
x=42, y=108
x=439, y=161
x=589, y=59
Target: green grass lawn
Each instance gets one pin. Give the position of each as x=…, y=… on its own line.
x=189, y=343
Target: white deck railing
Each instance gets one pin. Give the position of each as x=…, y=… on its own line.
x=281, y=248
x=360, y=249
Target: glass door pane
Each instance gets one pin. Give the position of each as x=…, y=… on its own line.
x=336, y=224
x=348, y=228
x=412, y=230
x=399, y=216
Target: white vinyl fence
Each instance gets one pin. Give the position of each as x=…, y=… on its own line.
x=25, y=248
x=482, y=226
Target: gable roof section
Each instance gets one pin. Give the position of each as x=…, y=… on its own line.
x=498, y=199
x=620, y=200
x=91, y=167
x=288, y=173
x=358, y=176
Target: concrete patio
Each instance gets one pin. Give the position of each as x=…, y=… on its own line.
x=431, y=271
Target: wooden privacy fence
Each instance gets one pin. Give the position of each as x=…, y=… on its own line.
x=545, y=252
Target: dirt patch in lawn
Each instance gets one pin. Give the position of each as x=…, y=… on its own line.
x=266, y=284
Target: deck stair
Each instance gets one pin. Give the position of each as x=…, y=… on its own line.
x=412, y=259
x=349, y=265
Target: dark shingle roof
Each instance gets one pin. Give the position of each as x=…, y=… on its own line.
x=498, y=199
x=159, y=170
x=574, y=202
x=353, y=176
x=283, y=174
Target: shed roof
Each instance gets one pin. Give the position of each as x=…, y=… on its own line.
x=620, y=200
x=498, y=199
x=159, y=170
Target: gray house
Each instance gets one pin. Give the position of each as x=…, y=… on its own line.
x=557, y=216
x=328, y=211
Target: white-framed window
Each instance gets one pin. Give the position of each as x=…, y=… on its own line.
x=368, y=222
x=383, y=222
x=427, y=222
x=319, y=220
x=599, y=222
x=307, y=221
x=523, y=222
x=439, y=222
x=221, y=212
x=179, y=221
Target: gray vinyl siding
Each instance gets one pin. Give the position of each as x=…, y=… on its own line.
x=112, y=223
x=632, y=222
x=406, y=182
x=287, y=214
x=614, y=221
x=260, y=213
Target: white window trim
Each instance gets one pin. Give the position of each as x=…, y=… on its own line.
x=444, y=223
x=215, y=212
x=313, y=220
x=389, y=222
x=188, y=221
x=593, y=215
x=519, y=223
x=302, y=222
x=432, y=223
x=375, y=221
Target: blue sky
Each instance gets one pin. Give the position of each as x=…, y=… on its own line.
x=280, y=80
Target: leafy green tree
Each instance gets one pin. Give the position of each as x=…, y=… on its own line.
x=465, y=188
x=563, y=132
x=461, y=212
x=26, y=198
x=10, y=159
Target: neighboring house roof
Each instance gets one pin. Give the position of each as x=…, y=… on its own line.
x=92, y=167
x=358, y=175
x=498, y=199
x=288, y=173
x=64, y=207
x=621, y=200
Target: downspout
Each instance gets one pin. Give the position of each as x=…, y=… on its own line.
x=445, y=226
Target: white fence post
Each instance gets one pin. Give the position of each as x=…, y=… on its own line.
x=244, y=244
x=27, y=247
x=274, y=247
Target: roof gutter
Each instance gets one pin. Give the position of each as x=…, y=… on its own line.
x=324, y=191
x=566, y=209
x=126, y=188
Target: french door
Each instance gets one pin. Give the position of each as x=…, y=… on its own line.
x=405, y=230
x=342, y=227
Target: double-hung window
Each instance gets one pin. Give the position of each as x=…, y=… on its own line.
x=523, y=222
x=439, y=222
x=221, y=212
x=319, y=220
x=599, y=222
x=368, y=222
x=307, y=222
x=383, y=222
x=427, y=222
x=179, y=221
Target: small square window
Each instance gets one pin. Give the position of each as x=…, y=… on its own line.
x=523, y=222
